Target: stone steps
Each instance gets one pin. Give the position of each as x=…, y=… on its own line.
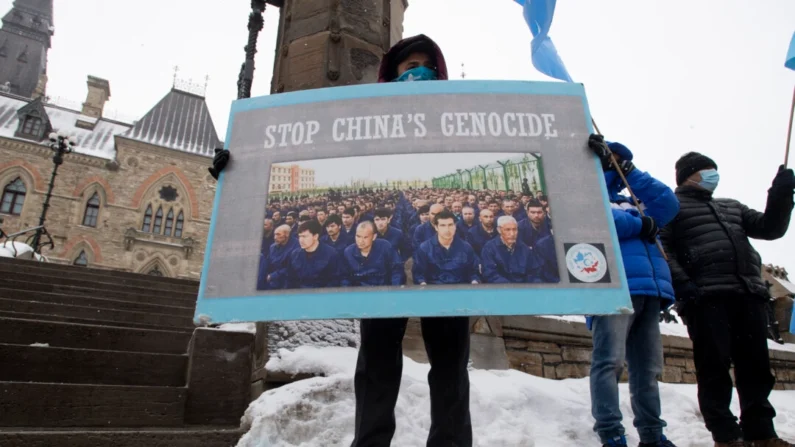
x=90, y=336
x=23, y=363
x=27, y=266
x=92, y=358
x=145, y=437
x=139, y=303
x=45, y=283
x=30, y=404
x=120, y=317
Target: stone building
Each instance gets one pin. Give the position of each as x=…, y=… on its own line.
x=783, y=292
x=132, y=196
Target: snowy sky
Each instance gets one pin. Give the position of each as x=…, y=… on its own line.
x=379, y=168
x=663, y=77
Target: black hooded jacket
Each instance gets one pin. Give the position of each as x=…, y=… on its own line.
x=387, y=72
x=708, y=242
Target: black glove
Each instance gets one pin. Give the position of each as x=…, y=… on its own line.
x=784, y=180
x=597, y=144
x=649, y=229
x=219, y=162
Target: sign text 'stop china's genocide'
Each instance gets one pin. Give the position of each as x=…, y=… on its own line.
x=418, y=199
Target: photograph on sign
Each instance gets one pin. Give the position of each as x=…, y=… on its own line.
x=369, y=222
x=442, y=199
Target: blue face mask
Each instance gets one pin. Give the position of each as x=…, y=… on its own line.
x=421, y=73
x=709, y=179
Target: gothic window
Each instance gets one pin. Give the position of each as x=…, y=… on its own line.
x=155, y=271
x=13, y=197
x=81, y=259
x=92, y=211
x=32, y=126
x=169, y=222
x=158, y=221
x=178, y=226
x=147, y=226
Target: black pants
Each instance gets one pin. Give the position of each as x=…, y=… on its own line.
x=725, y=330
x=379, y=369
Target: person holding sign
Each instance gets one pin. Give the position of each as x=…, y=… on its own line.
x=380, y=363
x=721, y=296
x=635, y=338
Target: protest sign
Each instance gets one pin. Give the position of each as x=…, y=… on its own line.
x=359, y=162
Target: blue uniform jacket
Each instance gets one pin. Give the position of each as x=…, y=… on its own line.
x=434, y=264
x=275, y=265
x=340, y=244
x=503, y=266
x=529, y=235
x=398, y=241
x=314, y=270
x=381, y=267
x=477, y=237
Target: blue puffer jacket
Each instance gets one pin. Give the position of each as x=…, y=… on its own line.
x=646, y=268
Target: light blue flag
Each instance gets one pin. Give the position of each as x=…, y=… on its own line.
x=538, y=15
x=791, y=54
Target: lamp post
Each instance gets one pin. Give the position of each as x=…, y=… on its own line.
x=255, y=24
x=61, y=144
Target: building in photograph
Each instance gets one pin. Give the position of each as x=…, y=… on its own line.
x=291, y=178
x=133, y=196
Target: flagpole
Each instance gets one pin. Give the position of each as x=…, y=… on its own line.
x=789, y=132
x=615, y=164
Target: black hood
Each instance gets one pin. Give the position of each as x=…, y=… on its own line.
x=419, y=43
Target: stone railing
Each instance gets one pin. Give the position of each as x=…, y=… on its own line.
x=559, y=349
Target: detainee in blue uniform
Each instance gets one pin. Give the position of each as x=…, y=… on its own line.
x=314, y=265
x=371, y=261
x=446, y=259
x=273, y=267
x=334, y=236
x=380, y=363
x=482, y=232
x=634, y=337
x=426, y=230
x=505, y=260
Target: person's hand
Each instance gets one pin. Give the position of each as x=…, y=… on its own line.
x=785, y=179
x=596, y=143
x=220, y=161
x=649, y=229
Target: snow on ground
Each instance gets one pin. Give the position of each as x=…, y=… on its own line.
x=509, y=408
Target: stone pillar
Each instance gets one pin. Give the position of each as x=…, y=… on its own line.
x=325, y=43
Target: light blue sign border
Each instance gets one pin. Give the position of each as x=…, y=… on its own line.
x=415, y=302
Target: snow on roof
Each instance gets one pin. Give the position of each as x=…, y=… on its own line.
x=786, y=284
x=180, y=121
x=98, y=142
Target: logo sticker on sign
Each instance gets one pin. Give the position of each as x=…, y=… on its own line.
x=586, y=263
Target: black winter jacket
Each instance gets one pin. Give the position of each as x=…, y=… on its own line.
x=708, y=247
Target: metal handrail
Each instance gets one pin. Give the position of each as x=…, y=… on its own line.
x=13, y=238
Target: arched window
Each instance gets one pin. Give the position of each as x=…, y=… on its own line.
x=81, y=259
x=178, y=226
x=169, y=222
x=158, y=221
x=147, y=226
x=32, y=126
x=155, y=271
x=92, y=211
x=13, y=197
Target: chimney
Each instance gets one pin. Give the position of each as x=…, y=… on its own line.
x=98, y=94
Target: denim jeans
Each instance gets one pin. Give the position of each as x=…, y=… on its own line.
x=636, y=339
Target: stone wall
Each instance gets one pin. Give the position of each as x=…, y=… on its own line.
x=558, y=349
x=125, y=188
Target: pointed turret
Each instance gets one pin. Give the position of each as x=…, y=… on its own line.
x=25, y=38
